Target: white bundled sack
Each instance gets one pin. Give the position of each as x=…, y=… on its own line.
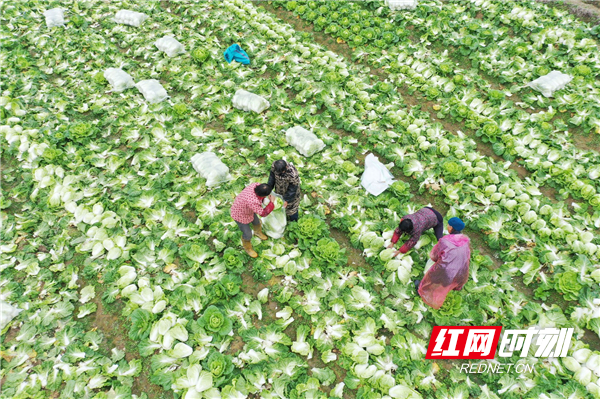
x=550, y=83
x=7, y=313
x=247, y=101
x=152, y=90
x=306, y=142
x=118, y=79
x=130, y=18
x=274, y=223
x=169, y=45
x=376, y=178
x=54, y=17
x=211, y=168
x=402, y=4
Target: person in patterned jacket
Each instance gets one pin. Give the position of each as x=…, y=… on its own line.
x=415, y=225
x=286, y=181
x=245, y=210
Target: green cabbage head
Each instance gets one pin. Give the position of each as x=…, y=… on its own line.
x=567, y=284
x=215, y=321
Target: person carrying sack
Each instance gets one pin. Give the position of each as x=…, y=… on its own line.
x=451, y=268
x=245, y=210
x=285, y=180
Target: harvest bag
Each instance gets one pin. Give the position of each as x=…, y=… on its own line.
x=376, y=178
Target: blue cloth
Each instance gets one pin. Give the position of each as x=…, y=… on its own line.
x=456, y=224
x=235, y=53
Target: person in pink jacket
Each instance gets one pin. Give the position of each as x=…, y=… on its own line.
x=245, y=210
x=451, y=268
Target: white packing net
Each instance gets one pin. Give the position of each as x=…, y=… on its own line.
x=376, y=178
x=54, y=17
x=247, y=101
x=274, y=223
x=306, y=142
x=211, y=168
x=169, y=45
x=132, y=18
x=152, y=90
x=7, y=313
x=402, y=4
x=550, y=83
x=118, y=79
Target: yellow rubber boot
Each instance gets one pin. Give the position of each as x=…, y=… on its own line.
x=258, y=232
x=248, y=248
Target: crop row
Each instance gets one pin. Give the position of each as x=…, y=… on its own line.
x=531, y=139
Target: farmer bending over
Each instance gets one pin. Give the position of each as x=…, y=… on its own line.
x=451, y=268
x=246, y=206
x=415, y=225
x=284, y=178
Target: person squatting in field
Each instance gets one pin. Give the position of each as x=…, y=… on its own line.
x=415, y=225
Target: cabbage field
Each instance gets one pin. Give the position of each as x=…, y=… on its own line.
x=122, y=272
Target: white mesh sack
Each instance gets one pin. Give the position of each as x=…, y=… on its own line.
x=7, y=313
x=550, y=83
x=118, y=79
x=274, y=223
x=211, y=168
x=132, y=18
x=401, y=4
x=169, y=45
x=247, y=101
x=54, y=17
x=306, y=142
x=376, y=178
x=152, y=90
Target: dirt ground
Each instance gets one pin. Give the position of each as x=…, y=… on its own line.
x=589, y=10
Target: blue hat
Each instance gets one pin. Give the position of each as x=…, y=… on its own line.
x=456, y=224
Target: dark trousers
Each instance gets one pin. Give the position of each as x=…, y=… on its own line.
x=246, y=231
x=438, y=229
x=293, y=218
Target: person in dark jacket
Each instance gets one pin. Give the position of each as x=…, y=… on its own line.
x=415, y=225
x=285, y=180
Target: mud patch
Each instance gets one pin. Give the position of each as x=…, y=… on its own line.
x=111, y=326
x=114, y=330
x=189, y=214
x=251, y=286
x=521, y=171
x=355, y=258
x=587, y=142
x=592, y=339
x=235, y=346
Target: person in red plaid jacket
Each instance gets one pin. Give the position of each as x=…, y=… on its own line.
x=415, y=225
x=245, y=210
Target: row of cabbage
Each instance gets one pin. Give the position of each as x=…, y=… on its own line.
x=516, y=43
x=148, y=160
x=535, y=140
